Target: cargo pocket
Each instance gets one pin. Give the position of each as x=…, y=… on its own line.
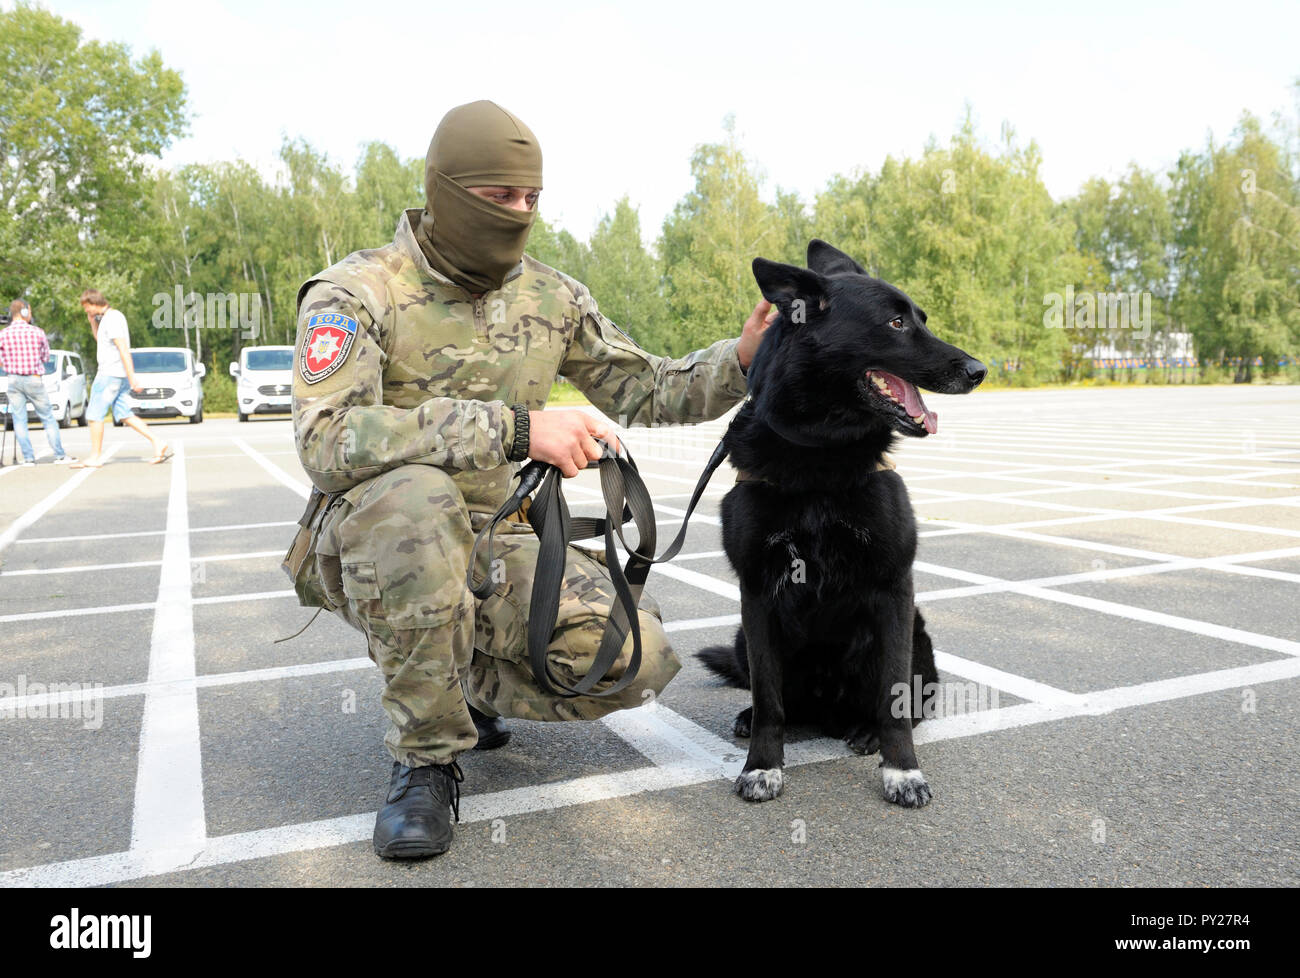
x=398, y=559
x=331, y=574
x=300, y=561
x=501, y=622
x=360, y=580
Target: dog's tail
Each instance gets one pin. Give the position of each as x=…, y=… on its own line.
x=731, y=662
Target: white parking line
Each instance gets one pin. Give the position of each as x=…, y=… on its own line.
x=157, y=533
x=682, y=752
x=81, y=568
x=168, y=826
x=14, y=529
x=696, y=763
x=277, y=473
x=19, y=704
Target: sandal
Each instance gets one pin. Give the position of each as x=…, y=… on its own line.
x=162, y=456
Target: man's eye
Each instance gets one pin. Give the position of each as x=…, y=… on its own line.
x=896, y=323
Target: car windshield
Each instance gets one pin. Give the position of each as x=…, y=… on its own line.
x=270, y=359
x=158, y=362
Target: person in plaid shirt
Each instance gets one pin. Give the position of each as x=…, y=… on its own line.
x=23, y=352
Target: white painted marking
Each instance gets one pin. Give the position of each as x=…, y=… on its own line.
x=14, y=529
x=694, y=624
x=347, y=829
x=1114, y=608
x=1019, y=686
x=143, y=606
x=705, y=582
x=168, y=826
x=77, y=612
x=270, y=673
x=277, y=473
x=81, y=568
x=241, y=598
x=665, y=738
x=157, y=533
x=1228, y=565
x=48, y=700
x=265, y=843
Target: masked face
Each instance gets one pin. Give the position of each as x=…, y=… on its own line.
x=474, y=241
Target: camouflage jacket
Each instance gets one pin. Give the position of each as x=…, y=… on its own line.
x=397, y=364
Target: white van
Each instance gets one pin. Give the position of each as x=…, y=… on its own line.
x=171, y=383
x=263, y=380
x=65, y=383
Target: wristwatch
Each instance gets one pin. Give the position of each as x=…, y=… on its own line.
x=519, y=450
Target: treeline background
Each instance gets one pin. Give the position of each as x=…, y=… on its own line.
x=967, y=228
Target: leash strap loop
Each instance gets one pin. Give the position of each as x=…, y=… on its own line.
x=626, y=498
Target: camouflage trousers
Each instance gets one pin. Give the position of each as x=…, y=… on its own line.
x=392, y=558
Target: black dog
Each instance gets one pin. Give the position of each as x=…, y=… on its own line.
x=820, y=533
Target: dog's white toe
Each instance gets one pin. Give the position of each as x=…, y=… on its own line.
x=906, y=788
x=760, y=784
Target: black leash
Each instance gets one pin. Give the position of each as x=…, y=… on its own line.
x=625, y=495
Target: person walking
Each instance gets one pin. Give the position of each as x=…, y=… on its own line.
x=24, y=348
x=113, y=378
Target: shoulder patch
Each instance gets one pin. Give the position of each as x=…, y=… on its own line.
x=326, y=345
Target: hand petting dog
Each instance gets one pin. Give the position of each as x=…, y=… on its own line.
x=751, y=335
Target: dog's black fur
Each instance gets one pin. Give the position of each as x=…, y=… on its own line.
x=821, y=539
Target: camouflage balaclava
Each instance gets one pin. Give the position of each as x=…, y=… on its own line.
x=477, y=242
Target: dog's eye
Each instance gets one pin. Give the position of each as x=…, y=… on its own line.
x=896, y=323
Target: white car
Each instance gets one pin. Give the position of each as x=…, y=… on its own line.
x=171, y=383
x=263, y=380
x=65, y=383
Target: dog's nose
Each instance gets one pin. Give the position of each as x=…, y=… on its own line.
x=975, y=372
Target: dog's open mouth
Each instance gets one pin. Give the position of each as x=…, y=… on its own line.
x=904, y=399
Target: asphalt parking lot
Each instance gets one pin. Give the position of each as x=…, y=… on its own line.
x=1110, y=576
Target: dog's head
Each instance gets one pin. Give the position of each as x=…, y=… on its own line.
x=852, y=345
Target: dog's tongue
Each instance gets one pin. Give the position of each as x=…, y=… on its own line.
x=910, y=398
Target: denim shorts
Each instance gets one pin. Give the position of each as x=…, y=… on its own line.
x=108, y=392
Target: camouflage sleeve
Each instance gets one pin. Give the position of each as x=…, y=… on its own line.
x=636, y=387
x=344, y=432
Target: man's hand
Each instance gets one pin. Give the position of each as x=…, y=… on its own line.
x=128, y=363
x=567, y=439
x=752, y=333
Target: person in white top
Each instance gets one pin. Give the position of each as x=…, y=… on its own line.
x=114, y=376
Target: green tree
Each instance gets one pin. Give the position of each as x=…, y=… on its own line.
x=708, y=244
x=977, y=242
x=79, y=121
x=386, y=187
x=1127, y=228
x=1237, y=218
x=559, y=249
x=624, y=277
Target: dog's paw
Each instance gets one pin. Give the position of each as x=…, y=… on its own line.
x=760, y=784
x=744, y=721
x=864, y=740
x=906, y=788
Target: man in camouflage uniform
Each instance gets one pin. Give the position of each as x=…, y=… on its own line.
x=422, y=368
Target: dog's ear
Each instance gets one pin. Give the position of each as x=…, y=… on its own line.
x=829, y=260
x=784, y=285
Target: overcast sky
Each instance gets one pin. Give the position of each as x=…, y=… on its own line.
x=619, y=95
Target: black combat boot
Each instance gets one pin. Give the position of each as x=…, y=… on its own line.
x=492, y=731
x=416, y=822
